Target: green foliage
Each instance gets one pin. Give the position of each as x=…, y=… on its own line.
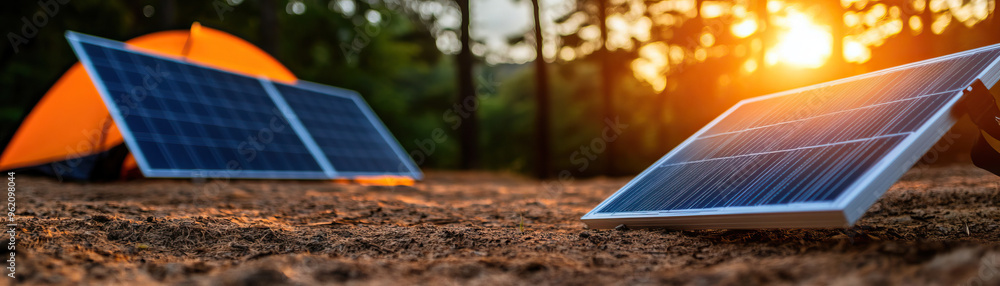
x=394, y=64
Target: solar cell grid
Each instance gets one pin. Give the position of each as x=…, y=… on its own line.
x=182, y=119
x=881, y=119
x=800, y=150
x=186, y=117
x=787, y=176
x=345, y=129
x=944, y=76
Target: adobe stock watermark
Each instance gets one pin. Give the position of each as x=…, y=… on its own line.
x=11, y=225
x=924, y=161
x=988, y=272
x=585, y=155
x=365, y=30
x=811, y=105
x=31, y=27
x=94, y=138
x=246, y=152
x=590, y=152
x=455, y=116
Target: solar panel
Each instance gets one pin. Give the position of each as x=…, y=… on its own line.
x=355, y=142
x=181, y=119
x=817, y=156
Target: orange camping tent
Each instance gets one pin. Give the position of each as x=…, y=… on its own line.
x=69, y=133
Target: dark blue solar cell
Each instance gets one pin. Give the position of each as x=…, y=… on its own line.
x=937, y=77
x=806, y=146
x=345, y=129
x=790, y=176
x=187, y=117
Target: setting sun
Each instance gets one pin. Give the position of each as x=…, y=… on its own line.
x=803, y=43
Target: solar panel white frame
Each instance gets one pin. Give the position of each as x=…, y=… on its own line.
x=844, y=211
x=328, y=171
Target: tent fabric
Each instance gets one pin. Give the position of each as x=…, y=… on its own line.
x=69, y=133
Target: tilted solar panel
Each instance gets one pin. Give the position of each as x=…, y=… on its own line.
x=811, y=157
x=185, y=120
x=346, y=130
x=181, y=119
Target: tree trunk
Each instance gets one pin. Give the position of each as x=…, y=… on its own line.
x=167, y=14
x=269, y=27
x=607, y=81
x=541, y=99
x=926, y=36
x=836, y=63
x=469, y=128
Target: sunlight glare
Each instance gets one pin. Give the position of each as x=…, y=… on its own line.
x=774, y=6
x=676, y=54
x=918, y=6
x=700, y=54
x=855, y=52
x=916, y=25
x=858, y=5
x=712, y=9
x=804, y=44
x=567, y=54
x=590, y=33
x=739, y=11
x=851, y=19
x=745, y=28
x=937, y=5
x=875, y=14
x=707, y=40
x=750, y=66
x=940, y=23
x=652, y=65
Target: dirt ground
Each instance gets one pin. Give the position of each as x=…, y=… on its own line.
x=936, y=226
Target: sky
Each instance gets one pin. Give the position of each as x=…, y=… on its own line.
x=493, y=21
x=495, y=18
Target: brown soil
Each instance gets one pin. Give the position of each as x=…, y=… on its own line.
x=936, y=226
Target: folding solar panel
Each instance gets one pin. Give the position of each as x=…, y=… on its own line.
x=346, y=130
x=817, y=156
x=182, y=119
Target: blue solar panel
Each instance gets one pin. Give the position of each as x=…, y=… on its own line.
x=346, y=130
x=815, y=156
x=782, y=177
x=186, y=120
